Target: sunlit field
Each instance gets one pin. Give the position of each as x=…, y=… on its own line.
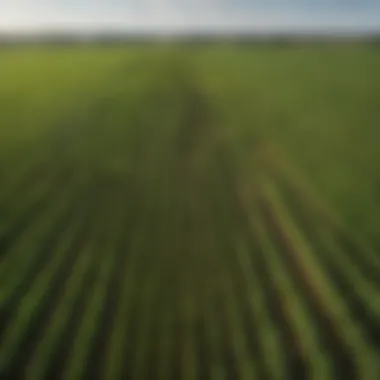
x=190, y=212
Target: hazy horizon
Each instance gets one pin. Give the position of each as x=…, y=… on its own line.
x=185, y=16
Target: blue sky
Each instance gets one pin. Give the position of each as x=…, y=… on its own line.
x=186, y=15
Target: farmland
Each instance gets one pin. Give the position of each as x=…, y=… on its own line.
x=190, y=213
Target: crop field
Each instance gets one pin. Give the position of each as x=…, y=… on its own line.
x=190, y=212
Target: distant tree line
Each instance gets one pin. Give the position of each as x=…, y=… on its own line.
x=111, y=39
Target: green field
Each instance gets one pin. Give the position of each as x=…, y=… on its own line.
x=190, y=212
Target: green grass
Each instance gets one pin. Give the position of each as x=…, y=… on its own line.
x=190, y=212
